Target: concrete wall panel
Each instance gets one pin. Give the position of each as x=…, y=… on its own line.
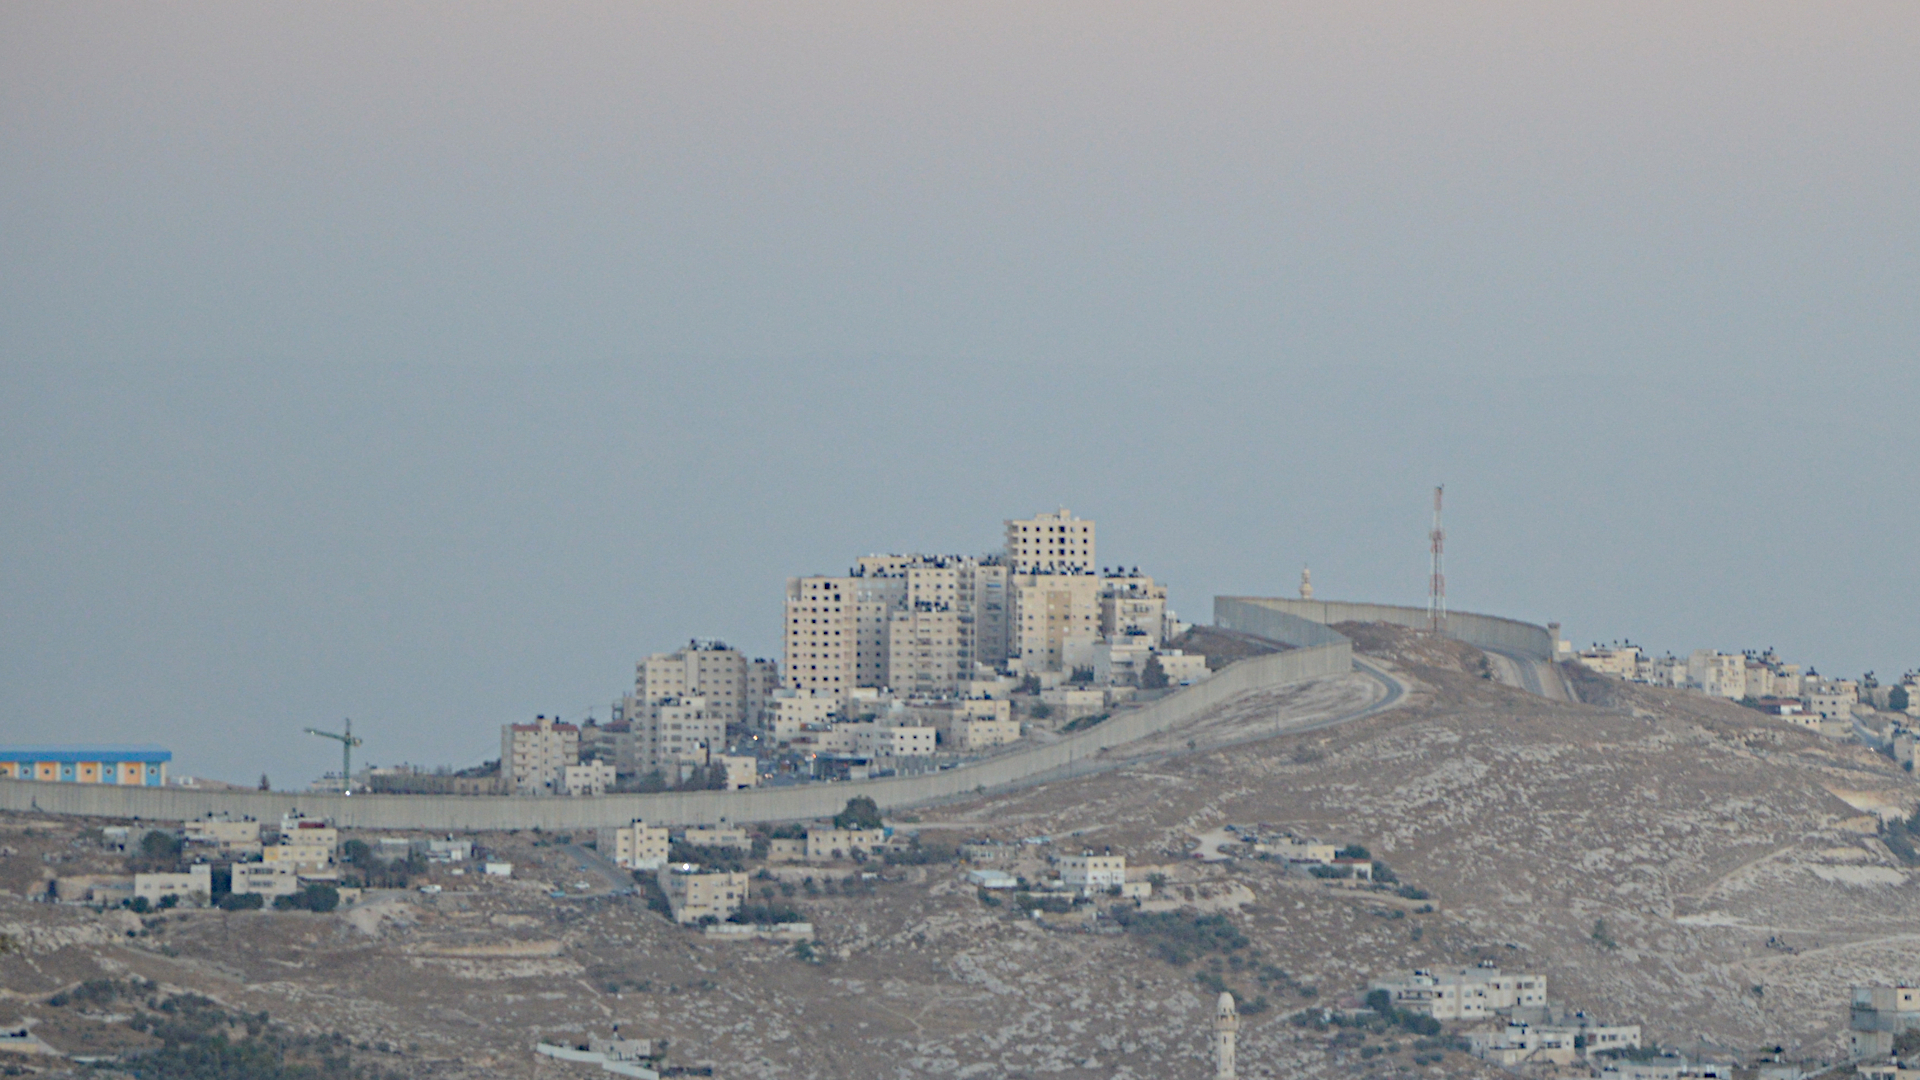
x=454, y=813
x=1480, y=631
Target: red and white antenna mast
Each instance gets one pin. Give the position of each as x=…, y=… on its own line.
x=1437, y=586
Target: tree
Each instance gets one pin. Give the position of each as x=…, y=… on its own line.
x=861, y=813
x=1897, y=699
x=1153, y=676
x=264, y=785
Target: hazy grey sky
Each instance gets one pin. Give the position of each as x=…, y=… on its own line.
x=426, y=364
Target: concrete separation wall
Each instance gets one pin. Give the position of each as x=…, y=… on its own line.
x=1480, y=631
x=456, y=813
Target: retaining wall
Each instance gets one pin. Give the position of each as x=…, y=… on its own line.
x=1480, y=631
x=458, y=813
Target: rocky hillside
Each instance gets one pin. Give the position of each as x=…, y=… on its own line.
x=1661, y=858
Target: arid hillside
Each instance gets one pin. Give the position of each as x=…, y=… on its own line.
x=1660, y=858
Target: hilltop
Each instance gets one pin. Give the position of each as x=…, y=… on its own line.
x=1728, y=859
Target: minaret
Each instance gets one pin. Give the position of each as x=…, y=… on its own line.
x=1306, y=584
x=1226, y=1025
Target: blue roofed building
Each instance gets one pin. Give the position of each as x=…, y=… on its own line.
x=142, y=764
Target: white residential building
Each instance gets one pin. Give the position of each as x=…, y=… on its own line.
x=534, y=757
x=973, y=735
x=826, y=845
x=1057, y=543
x=734, y=687
x=880, y=740
x=1621, y=662
x=1832, y=699
x=1131, y=605
x=588, y=778
x=1055, y=623
x=1182, y=668
x=924, y=646
x=193, y=888
x=742, y=771
x=1121, y=659
x=727, y=836
x=927, y=622
x=1519, y=1043
x=678, y=735
x=1471, y=994
x=268, y=879
x=1718, y=674
x=635, y=847
x=237, y=837
x=821, y=632
x=793, y=711
x=694, y=895
x=1091, y=872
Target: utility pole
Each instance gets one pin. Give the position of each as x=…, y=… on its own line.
x=347, y=743
x=1437, y=585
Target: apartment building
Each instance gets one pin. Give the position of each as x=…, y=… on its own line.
x=1520, y=1043
x=1621, y=662
x=678, y=735
x=726, y=836
x=923, y=649
x=1471, y=994
x=1879, y=1015
x=306, y=844
x=763, y=680
x=735, y=688
x=587, y=778
x=1057, y=543
x=743, y=771
x=972, y=735
x=695, y=895
x=794, y=711
x=634, y=847
x=1088, y=871
x=826, y=845
x=233, y=837
x=882, y=740
x=1055, y=621
x=192, y=888
x=821, y=636
x=1717, y=674
x=270, y=880
x=1132, y=607
x=1832, y=699
x=534, y=757
x=1182, y=668
x=955, y=609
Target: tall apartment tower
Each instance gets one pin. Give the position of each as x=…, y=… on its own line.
x=1051, y=544
x=1054, y=592
x=704, y=669
x=534, y=757
x=926, y=620
x=822, y=635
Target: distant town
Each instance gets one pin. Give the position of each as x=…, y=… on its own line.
x=912, y=664
x=906, y=663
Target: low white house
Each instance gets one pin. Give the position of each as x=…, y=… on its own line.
x=192, y=888
x=268, y=879
x=1089, y=871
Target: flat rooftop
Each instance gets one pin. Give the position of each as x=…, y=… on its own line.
x=77, y=752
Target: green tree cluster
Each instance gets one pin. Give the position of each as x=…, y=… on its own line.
x=861, y=813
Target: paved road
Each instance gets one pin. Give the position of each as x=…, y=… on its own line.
x=1535, y=676
x=1394, y=689
x=594, y=864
